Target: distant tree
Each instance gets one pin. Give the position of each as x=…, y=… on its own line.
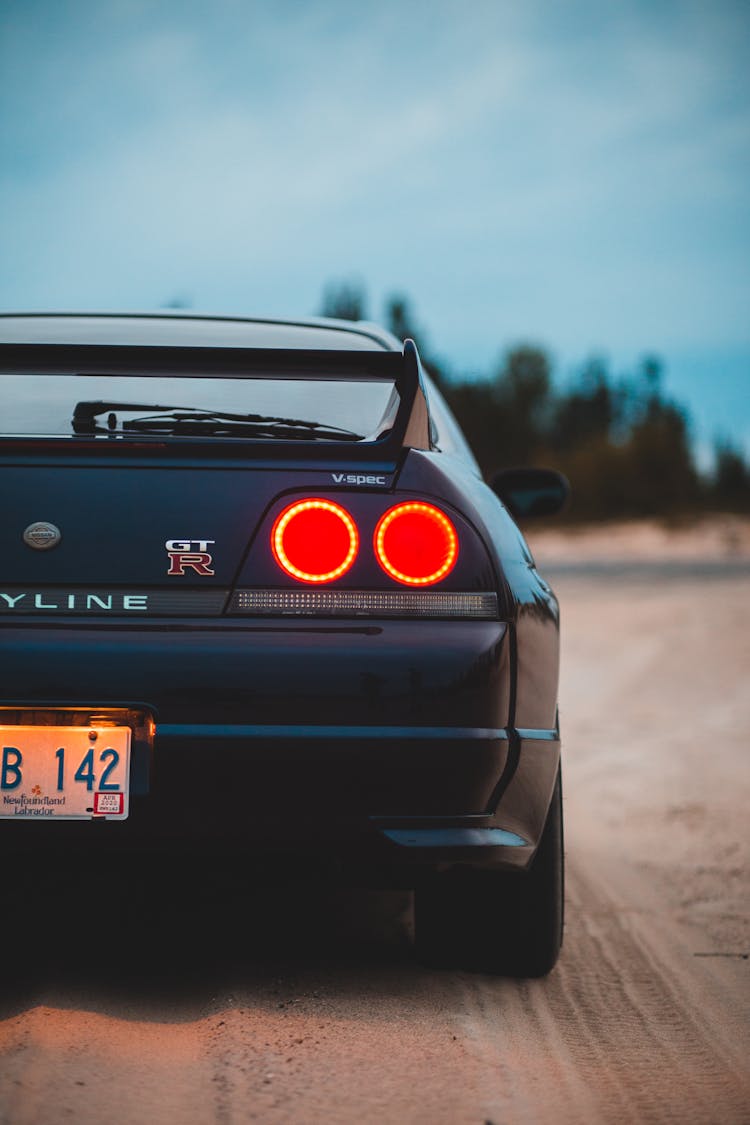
x=344, y=300
x=659, y=471
x=729, y=487
x=524, y=379
x=480, y=417
x=523, y=394
x=506, y=419
x=652, y=378
x=179, y=301
x=587, y=412
x=625, y=447
x=400, y=320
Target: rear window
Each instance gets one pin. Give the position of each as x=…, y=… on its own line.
x=45, y=405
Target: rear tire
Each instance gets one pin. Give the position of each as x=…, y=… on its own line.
x=505, y=923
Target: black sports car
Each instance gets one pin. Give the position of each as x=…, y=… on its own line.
x=257, y=600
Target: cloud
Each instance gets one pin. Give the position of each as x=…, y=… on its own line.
x=582, y=178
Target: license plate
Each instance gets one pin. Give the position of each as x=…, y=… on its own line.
x=64, y=772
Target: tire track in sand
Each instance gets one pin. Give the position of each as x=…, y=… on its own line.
x=628, y=1028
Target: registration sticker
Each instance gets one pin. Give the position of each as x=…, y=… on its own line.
x=108, y=803
x=64, y=772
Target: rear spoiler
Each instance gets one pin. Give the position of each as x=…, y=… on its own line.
x=406, y=423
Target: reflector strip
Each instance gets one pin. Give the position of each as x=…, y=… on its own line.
x=363, y=603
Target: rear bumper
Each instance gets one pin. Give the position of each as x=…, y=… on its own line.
x=301, y=672
x=387, y=740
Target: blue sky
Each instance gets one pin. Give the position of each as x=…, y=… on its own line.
x=576, y=175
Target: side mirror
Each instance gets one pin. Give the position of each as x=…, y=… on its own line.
x=530, y=493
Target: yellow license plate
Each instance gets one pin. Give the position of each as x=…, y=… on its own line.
x=64, y=772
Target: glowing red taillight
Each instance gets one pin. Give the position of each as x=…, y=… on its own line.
x=416, y=544
x=315, y=540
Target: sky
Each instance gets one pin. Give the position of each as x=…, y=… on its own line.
x=574, y=175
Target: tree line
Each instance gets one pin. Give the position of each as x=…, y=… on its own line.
x=625, y=447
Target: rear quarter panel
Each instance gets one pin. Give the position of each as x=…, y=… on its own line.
x=526, y=599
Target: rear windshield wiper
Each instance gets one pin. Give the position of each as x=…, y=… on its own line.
x=176, y=421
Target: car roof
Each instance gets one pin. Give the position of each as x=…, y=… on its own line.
x=189, y=329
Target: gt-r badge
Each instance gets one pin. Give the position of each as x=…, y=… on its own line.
x=42, y=535
x=189, y=554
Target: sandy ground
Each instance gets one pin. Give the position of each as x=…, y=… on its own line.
x=253, y=1006
x=717, y=539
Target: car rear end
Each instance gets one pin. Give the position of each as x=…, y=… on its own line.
x=249, y=637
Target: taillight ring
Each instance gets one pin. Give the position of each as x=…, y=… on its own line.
x=298, y=549
x=406, y=557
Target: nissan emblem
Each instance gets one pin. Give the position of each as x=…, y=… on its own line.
x=42, y=536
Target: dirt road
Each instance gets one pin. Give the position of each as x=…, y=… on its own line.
x=273, y=1008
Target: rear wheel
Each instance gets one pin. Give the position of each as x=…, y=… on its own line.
x=506, y=923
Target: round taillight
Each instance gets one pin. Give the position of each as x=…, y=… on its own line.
x=416, y=544
x=315, y=540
